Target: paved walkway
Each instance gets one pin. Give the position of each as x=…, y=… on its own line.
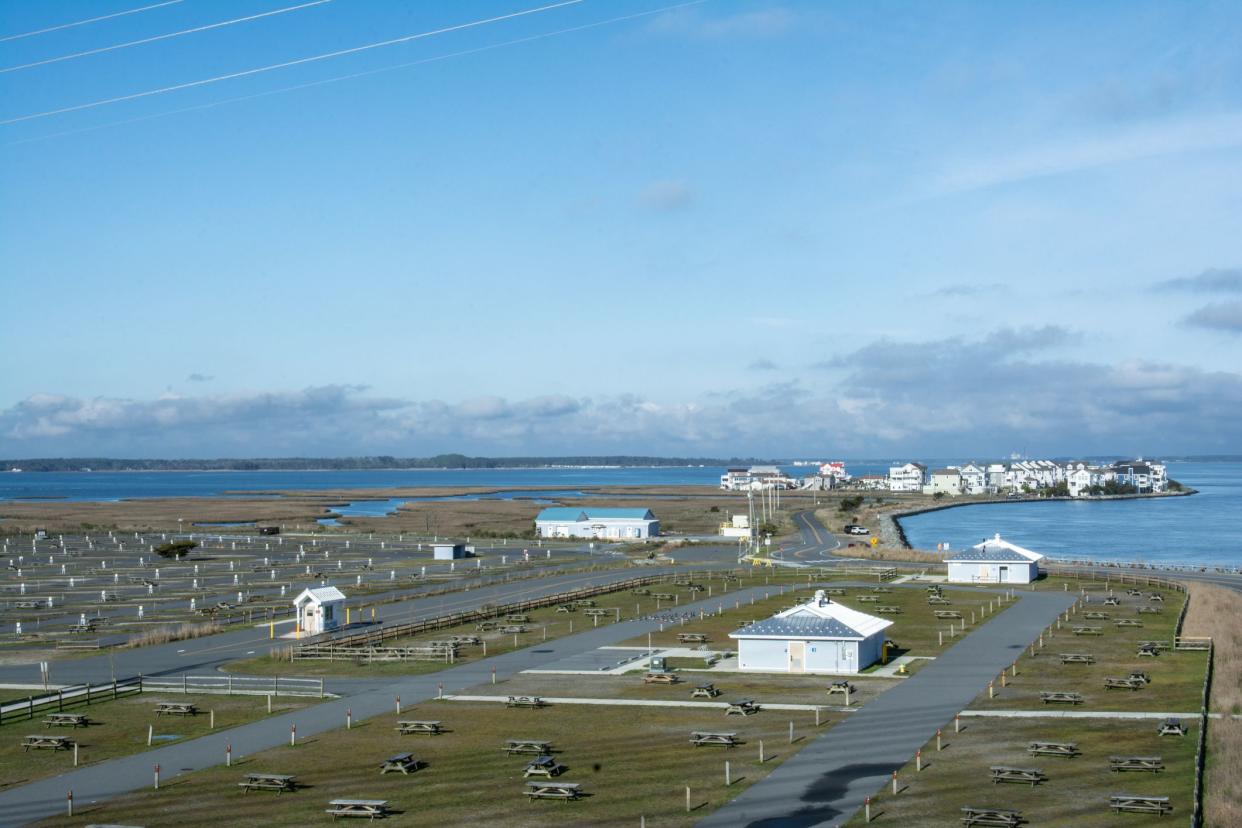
x=826, y=782
x=368, y=697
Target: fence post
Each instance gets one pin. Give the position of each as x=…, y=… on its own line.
x=69, y=801
x=157, y=777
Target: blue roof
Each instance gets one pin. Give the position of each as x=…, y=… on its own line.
x=798, y=626
x=575, y=514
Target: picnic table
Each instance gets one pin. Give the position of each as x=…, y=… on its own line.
x=1148, y=649
x=1056, y=697
x=598, y=613
x=1171, y=727
x=1150, y=610
x=414, y=726
x=460, y=640
x=741, y=707
x=566, y=608
x=707, y=690
x=584, y=602
x=46, y=743
x=841, y=687
x=176, y=709
x=517, y=618
x=664, y=596
x=1153, y=764
x=28, y=604
x=484, y=626
x=1128, y=622
x=869, y=599
x=543, y=765
x=714, y=737
x=401, y=763
x=1088, y=631
x=692, y=638
x=551, y=789
x=990, y=816
x=1124, y=684
x=278, y=782
x=535, y=746
x=1137, y=593
x=938, y=600
x=67, y=720
x=887, y=610
x=1140, y=804
x=1096, y=615
x=834, y=591
x=525, y=701
x=1067, y=749
x=1112, y=601
x=88, y=627
x=370, y=808
x=513, y=628
x=947, y=613
x=1077, y=658
x=1156, y=596
x=1005, y=773
x=640, y=591
x=660, y=678
x=880, y=589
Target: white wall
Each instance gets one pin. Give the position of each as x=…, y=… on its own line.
x=769, y=655
x=973, y=572
x=762, y=654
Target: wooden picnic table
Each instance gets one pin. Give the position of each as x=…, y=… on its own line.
x=869, y=599
x=28, y=604
x=176, y=709
x=415, y=726
x=1128, y=622
x=1140, y=804
x=741, y=707
x=46, y=743
x=1149, y=649
x=947, y=613
x=535, y=746
x=990, y=816
x=692, y=638
x=517, y=618
x=714, y=737
x=1112, y=601
x=1150, y=610
x=1156, y=596
x=67, y=720
x=664, y=596
x=888, y=610
x=278, y=782
x=566, y=608
x=881, y=589
x=1096, y=615
x=1171, y=727
x=938, y=600
x=640, y=591
x=1077, y=658
x=400, y=763
x=598, y=613
x=525, y=701
x=1088, y=631
x=1056, y=697
x=370, y=808
x=1152, y=764
x=552, y=789
x=834, y=591
x=1137, y=593
x=88, y=627
x=584, y=602
x=661, y=678
x=707, y=690
x=1067, y=749
x=1139, y=675
x=543, y=765
x=485, y=626
x=841, y=687
x=513, y=628
x=1006, y=773
x=1124, y=684
x=462, y=640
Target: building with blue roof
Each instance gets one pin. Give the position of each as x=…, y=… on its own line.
x=820, y=636
x=994, y=561
x=591, y=522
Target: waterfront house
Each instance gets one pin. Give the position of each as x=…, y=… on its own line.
x=994, y=561
x=734, y=480
x=873, y=482
x=974, y=479
x=819, y=636
x=319, y=610
x=1144, y=476
x=618, y=524
x=946, y=481
x=996, y=477
x=907, y=478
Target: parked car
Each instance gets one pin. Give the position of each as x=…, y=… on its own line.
x=855, y=529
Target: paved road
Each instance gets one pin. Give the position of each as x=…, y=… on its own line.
x=37, y=800
x=825, y=783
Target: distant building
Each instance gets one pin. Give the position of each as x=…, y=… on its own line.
x=946, y=481
x=620, y=524
x=974, y=479
x=907, y=478
x=994, y=561
x=448, y=551
x=1144, y=476
x=319, y=610
x=756, y=477
x=873, y=482
x=816, y=637
x=737, y=527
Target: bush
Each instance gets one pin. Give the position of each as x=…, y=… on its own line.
x=175, y=549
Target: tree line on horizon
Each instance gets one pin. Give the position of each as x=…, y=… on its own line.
x=378, y=462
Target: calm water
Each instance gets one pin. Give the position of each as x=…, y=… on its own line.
x=1202, y=529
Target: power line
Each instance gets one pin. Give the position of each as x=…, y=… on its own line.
x=354, y=75
x=288, y=63
x=163, y=36
x=90, y=20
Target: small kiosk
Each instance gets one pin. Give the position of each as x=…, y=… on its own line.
x=319, y=610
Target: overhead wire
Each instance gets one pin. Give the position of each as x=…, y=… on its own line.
x=89, y=20
x=168, y=36
x=354, y=75
x=286, y=64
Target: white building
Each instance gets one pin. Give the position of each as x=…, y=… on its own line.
x=946, y=481
x=873, y=482
x=735, y=480
x=816, y=637
x=907, y=478
x=448, y=551
x=974, y=479
x=996, y=477
x=319, y=610
x=737, y=527
x=620, y=524
x=994, y=561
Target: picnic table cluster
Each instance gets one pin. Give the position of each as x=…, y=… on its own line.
x=544, y=764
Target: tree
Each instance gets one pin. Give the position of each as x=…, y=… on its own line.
x=175, y=549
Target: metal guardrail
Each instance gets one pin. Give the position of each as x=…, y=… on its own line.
x=68, y=697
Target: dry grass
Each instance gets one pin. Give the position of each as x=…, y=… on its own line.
x=181, y=632
x=1214, y=612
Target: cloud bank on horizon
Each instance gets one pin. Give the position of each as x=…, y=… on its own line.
x=739, y=227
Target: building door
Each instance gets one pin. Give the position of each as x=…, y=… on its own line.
x=1004, y=574
x=797, y=656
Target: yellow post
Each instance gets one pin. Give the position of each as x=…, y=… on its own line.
x=372, y=613
x=347, y=616
x=884, y=653
x=271, y=630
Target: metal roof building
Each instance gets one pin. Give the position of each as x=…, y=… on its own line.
x=995, y=561
x=819, y=636
x=575, y=522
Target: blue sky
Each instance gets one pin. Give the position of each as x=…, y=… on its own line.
x=725, y=228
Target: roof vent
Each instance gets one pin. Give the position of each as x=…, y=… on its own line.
x=820, y=598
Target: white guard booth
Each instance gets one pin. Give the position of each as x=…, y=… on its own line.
x=319, y=610
x=994, y=561
x=816, y=637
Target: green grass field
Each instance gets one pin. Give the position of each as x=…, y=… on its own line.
x=119, y=728
x=1076, y=792
x=630, y=761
